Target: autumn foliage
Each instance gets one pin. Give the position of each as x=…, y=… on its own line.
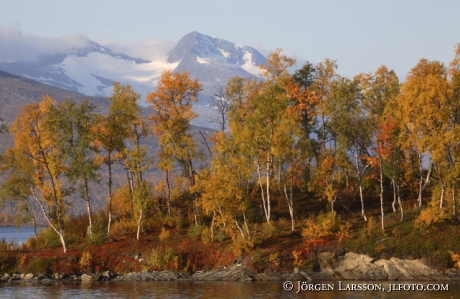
x=298, y=154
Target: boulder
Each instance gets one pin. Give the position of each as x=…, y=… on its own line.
x=89, y=277
x=28, y=276
x=359, y=267
x=354, y=266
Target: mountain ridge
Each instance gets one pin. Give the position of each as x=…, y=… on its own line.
x=90, y=68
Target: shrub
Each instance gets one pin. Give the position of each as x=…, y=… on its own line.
x=220, y=235
x=161, y=258
x=99, y=232
x=431, y=215
x=344, y=233
x=206, y=235
x=164, y=234
x=195, y=231
x=268, y=230
x=47, y=238
x=303, y=257
x=76, y=228
x=440, y=259
x=240, y=246
x=123, y=227
x=455, y=258
x=7, y=262
x=372, y=228
x=41, y=265
x=86, y=261
x=258, y=263
x=298, y=260
x=22, y=261
x=322, y=226
x=5, y=245
x=312, y=265
x=274, y=259
x=179, y=221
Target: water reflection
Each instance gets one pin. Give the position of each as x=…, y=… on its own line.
x=199, y=290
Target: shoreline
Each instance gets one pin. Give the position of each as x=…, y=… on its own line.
x=347, y=267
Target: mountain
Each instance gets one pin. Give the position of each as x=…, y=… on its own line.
x=214, y=60
x=17, y=91
x=89, y=68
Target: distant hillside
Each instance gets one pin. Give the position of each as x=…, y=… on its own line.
x=16, y=92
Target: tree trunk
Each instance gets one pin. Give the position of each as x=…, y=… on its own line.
x=454, y=201
x=88, y=208
x=400, y=203
x=360, y=183
x=265, y=200
x=422, y=184
x=139, y=223
x=110, y=196
x=60, y=232
x=381, y=192
x=212, y=225
x=269, y=165
x=290, y=202
x=32, y=217
x=443, y=192
x=168, y=190
x=241, y=231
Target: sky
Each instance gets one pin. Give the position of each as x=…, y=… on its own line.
x=360, y=34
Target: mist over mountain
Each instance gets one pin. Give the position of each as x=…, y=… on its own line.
x=78, y=64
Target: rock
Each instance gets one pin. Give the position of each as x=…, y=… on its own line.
x=358, y=267
x=326, y=260
x=57, y=276
x=28, y=276
x=149, y=276
x=235, y=273
x=269, y=276
x=89, y=277
x=362, y=267
x=105, y=276
x=298, y=276
x=47, y=280
x=184, y=275
x=14, y=278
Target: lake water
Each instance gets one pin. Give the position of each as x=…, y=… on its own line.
x=205, y=290
x=20, y=235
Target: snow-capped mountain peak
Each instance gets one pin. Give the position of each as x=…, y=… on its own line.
x=205, y=48
x=89, y=68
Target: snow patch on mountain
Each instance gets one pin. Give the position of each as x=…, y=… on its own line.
x=142, y=76
x=249, y=65
x=224, y=53
x=81, y=65
x=202, y=60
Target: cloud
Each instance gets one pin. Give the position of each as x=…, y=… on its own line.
x=263, y=49
x=149, y=49
x=15, y=45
